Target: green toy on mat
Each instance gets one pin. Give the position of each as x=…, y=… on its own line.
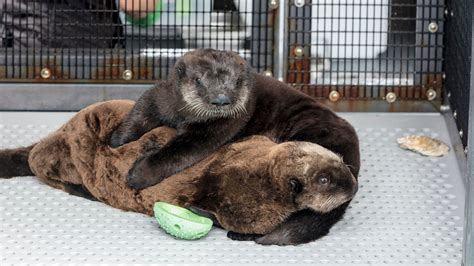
x=181, y=222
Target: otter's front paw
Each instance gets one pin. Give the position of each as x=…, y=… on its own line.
x=142, y=175
x=204, y=213
x=115, y=140
x=242, y=237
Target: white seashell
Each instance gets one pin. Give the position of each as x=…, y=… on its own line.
x=423, y=145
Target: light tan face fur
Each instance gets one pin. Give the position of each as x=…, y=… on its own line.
x=310, y=165
x=194, y=104
x=207, y=76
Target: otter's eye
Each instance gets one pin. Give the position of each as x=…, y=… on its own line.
x=323, y=180
x=238, y=83
x=198, y=81
x=295, y=185
x=180, y=70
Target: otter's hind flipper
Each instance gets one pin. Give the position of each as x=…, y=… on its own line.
x=14, y=162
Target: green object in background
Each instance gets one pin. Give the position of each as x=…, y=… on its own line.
x=182, y=8
x=181, y=222
x=150, y=18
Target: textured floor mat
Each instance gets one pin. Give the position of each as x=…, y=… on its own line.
x=408, y=211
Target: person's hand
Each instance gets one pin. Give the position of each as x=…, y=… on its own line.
x=137, y=8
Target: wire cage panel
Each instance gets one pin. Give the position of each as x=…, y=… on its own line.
x=458, y=66
x=365, y=49
x=361, y=49
x=116, y=40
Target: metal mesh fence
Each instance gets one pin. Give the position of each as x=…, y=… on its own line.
x=365, y=49
x=112, y=40
x=341, y=49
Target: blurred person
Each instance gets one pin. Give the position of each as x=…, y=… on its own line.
x=66, y=23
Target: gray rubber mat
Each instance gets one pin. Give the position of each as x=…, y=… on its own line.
x=408, y=211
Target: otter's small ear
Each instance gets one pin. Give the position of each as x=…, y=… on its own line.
x=296, y=185
x=180, y=69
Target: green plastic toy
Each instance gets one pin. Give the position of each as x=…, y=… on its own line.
x=181, y=222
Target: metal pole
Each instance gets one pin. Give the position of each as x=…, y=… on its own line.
x=281, y=40
x=468, y=254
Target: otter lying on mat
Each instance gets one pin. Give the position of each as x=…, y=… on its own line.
x=251, y=186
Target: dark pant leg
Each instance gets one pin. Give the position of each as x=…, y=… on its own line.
x=24, y=23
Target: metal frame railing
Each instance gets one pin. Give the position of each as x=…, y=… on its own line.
x=468, y=248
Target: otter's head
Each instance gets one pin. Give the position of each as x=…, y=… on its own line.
x=315, y=177
x=213, y=84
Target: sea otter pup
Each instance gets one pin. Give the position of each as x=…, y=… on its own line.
x=208, y=99
x=214, y=97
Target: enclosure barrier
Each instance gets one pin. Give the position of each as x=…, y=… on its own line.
x=337, y=50
x=395, y=55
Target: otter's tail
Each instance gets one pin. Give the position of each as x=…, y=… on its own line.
x=14, y=162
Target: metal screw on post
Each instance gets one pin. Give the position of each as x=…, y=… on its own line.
x=461, y=133
x=433, y=27
x=455, y=114
x=45, y=73
x=273, y=4
x=431, y=94
x=299, y=3
x=334, y=96
x=267, y=73
x=391, y=97
x=127, y=74
x=444, y=108
x=298, y=51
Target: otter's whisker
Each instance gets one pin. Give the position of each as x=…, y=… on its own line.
x=202, y=111
x=243, y=109
x=197, y=108
x=326, y=203
x=198, y=111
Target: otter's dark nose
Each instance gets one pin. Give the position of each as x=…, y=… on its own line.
x=220, y=100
